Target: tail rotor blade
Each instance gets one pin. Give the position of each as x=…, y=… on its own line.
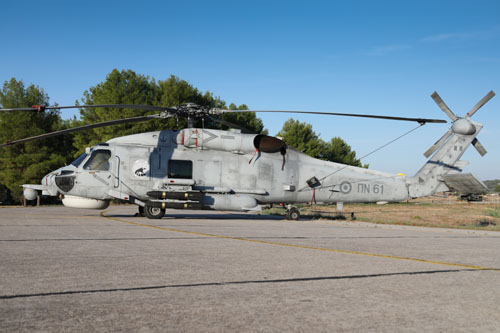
x=479, y=147
x=442, y=105
x=438, y=144
x=479, y=104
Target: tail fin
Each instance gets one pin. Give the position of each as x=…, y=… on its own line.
x=448, y=150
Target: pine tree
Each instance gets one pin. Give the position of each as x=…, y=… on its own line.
x=302, y=137
x=28, y=162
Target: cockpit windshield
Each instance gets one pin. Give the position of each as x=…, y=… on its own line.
x=79, y=160
x=98, y=161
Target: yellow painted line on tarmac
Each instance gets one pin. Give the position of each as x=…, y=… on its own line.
x=300, y=246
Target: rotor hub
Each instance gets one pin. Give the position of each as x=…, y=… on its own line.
x=463, y=126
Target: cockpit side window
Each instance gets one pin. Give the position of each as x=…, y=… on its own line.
x=79, y=160
x=98, y=161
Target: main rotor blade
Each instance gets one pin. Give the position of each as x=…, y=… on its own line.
x=230, y=124
x=479, y=147
x=418, y=120
x=479, y=104
x=438, y=144
x=80, y=128
x=442, y=105
x=118, y=106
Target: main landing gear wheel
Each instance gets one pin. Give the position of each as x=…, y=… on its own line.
x=154, y=212
x=293, y=214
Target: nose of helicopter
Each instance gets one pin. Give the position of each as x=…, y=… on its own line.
x=65, y=181
x=48, y=179
x=61, y=179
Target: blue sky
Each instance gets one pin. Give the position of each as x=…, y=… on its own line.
x=377, y=57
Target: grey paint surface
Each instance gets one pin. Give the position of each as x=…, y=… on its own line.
x=268, y=177
x=74, y=270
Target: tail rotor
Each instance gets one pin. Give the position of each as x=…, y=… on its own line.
x=461, y=125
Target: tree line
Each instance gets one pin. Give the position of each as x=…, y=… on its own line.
x=493, y=185
x=28, y=162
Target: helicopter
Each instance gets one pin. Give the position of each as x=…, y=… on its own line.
x=234, y=170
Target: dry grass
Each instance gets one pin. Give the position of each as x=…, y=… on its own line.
x=429, y=212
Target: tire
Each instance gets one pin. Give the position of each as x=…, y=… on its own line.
x=154, y=212
x=293, y=214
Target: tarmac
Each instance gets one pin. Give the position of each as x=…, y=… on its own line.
x=66, y=269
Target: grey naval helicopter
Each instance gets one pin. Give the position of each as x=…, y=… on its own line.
x=198, y=168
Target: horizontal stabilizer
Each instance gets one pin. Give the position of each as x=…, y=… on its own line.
x=460, y=165
x=465, y=183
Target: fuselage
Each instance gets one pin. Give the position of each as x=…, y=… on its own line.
x=220, y=162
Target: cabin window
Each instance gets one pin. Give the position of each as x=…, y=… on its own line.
x=98, y=161
x=180, y=169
